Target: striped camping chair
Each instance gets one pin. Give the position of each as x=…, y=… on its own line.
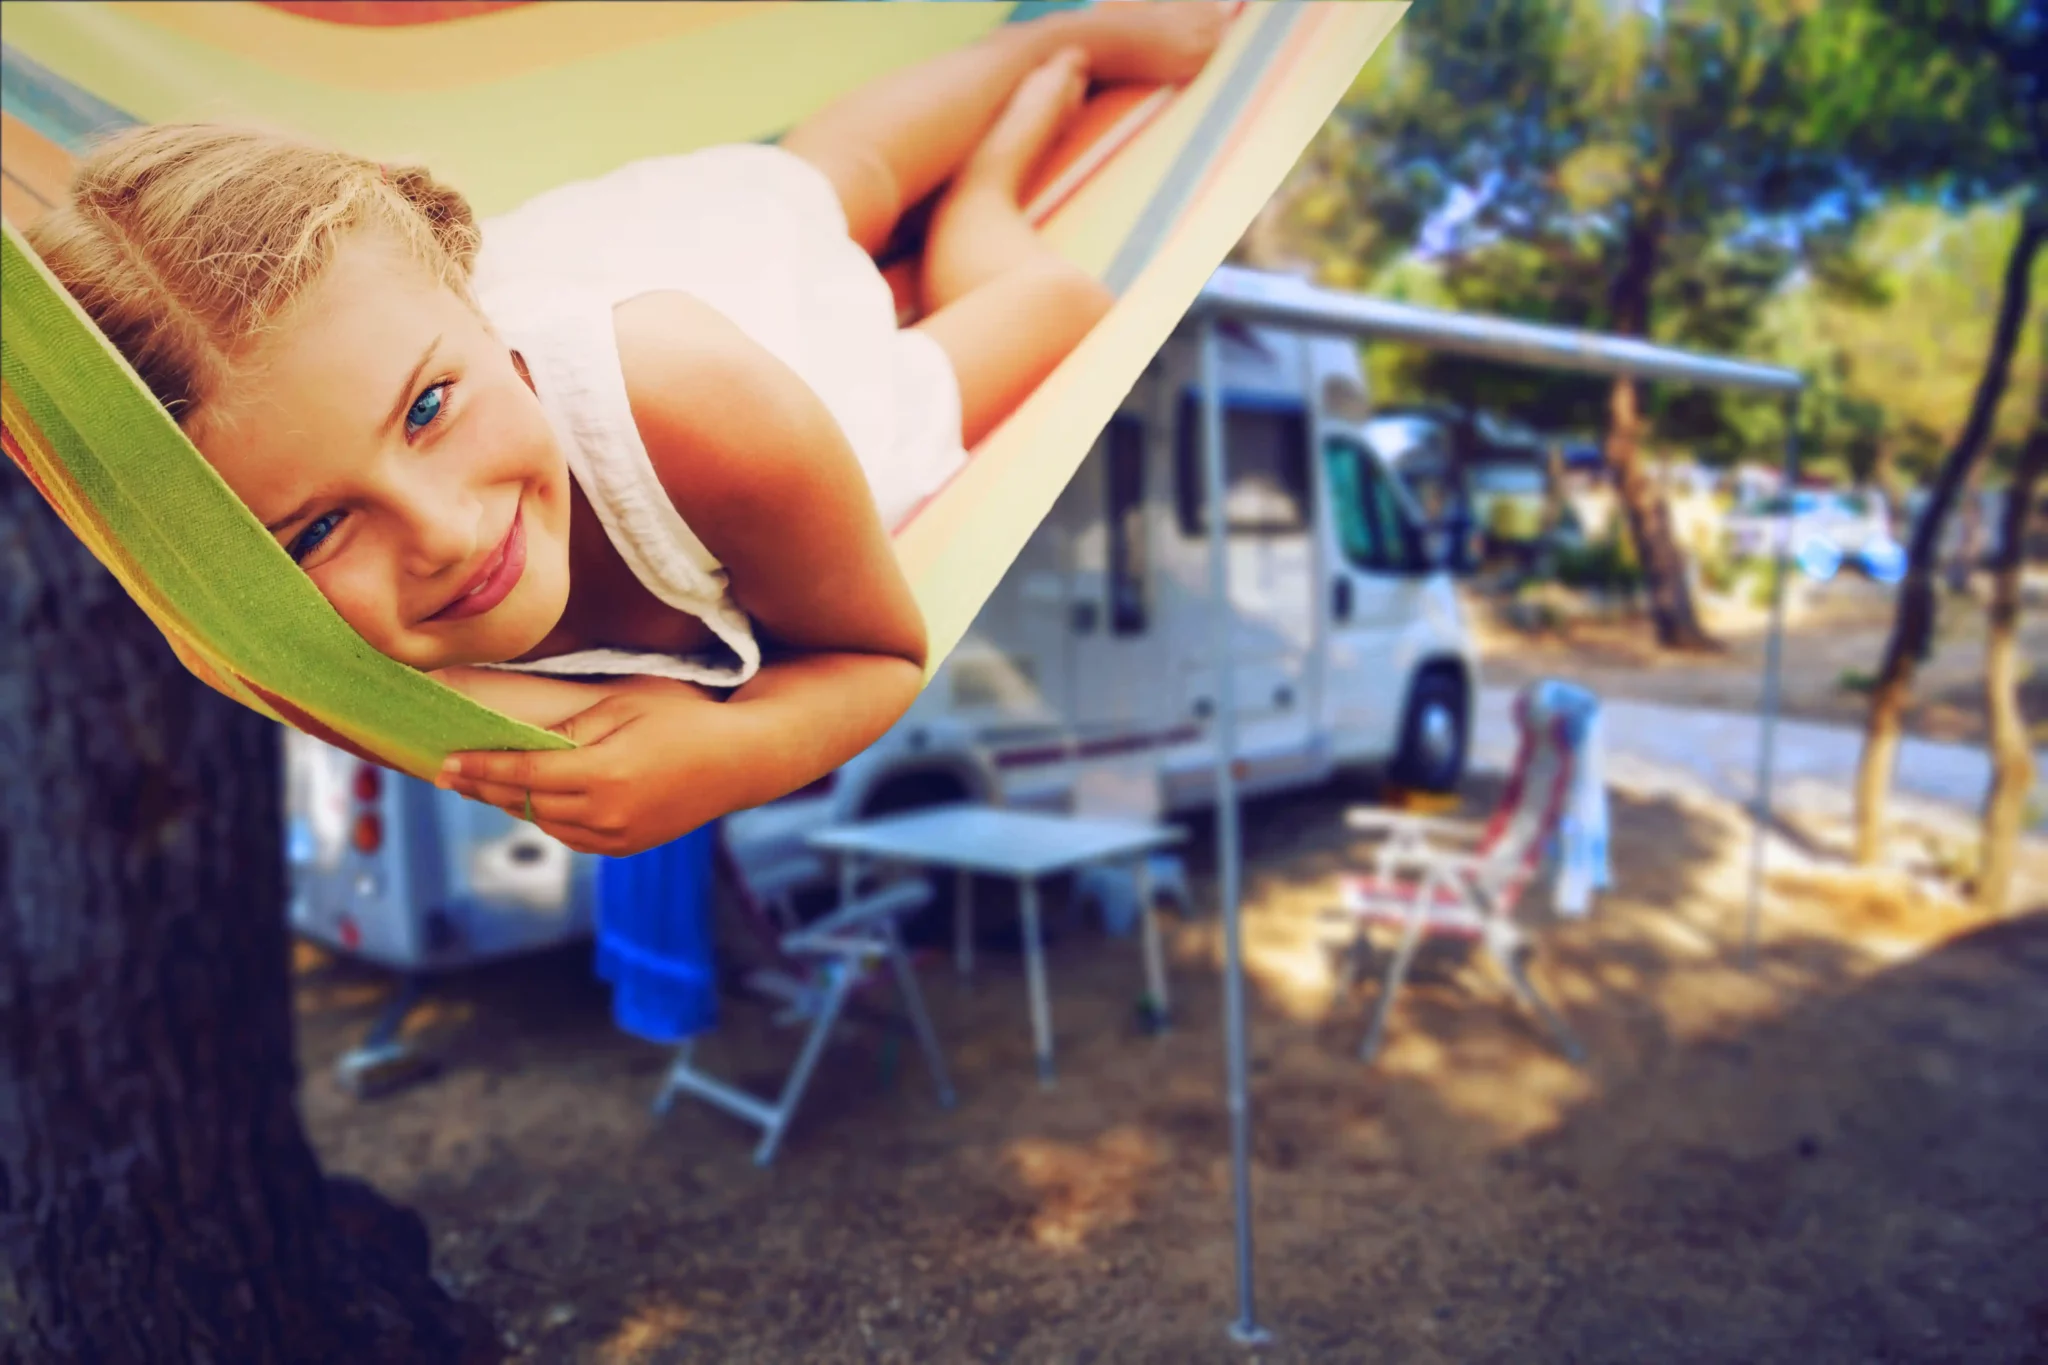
x=1444, y=877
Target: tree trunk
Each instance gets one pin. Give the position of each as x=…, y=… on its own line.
x=1962, y=566
x=1912, y=633
x=1553, y=490
x=1672, y=611
x=1884, y=477
x=158, y=1198
x=2012, y=751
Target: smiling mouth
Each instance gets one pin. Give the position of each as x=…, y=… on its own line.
x=495, y=577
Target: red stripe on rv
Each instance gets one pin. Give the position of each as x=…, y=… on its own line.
x=1100, y=747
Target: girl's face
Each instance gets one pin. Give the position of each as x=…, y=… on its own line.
x=385, y=437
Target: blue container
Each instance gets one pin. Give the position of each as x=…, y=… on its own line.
x=654, y=938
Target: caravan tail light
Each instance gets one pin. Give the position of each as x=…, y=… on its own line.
x=368, y=782
x=369, y=833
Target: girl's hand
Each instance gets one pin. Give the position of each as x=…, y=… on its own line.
x=627, y=787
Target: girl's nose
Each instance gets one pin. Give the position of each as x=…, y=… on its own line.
x=440, y=533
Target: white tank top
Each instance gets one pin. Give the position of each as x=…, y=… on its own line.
x=758, y=235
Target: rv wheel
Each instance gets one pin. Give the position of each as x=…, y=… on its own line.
x=1433, y=734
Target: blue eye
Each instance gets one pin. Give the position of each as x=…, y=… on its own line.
x=425, y=409
x=309, y=539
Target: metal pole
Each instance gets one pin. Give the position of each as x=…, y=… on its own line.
x=1760, y=807
x=1245, y=1329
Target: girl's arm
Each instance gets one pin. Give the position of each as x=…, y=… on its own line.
x=760, y=470
x=657, y=759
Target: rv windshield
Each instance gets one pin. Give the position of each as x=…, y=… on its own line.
x=1378, y=523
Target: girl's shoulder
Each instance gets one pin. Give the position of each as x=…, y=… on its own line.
x=729, y=428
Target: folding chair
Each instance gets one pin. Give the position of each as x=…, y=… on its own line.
x=1436, y=877
x=839, y=951
x=827, y=961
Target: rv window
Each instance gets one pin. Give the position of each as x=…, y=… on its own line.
x=1265, y=472
x=1376, y=536
x=1124, y=470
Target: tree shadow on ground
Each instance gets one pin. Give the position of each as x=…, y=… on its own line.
x=1828, y=1159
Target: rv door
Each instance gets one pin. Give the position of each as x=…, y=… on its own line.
x=1269, y=521
x=1114, y=623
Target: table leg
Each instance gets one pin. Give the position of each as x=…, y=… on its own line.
x=963, y=923
x=1158, y=1006
x=1034, y=971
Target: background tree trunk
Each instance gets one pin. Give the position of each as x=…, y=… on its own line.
x=1672, y=612
x=1912, y=632
x=1884, y=477
x=158, y=1198
x=2012, y=752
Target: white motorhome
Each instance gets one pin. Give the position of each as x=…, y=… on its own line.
x=1099, y=644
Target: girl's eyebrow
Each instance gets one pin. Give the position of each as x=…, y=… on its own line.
x=407, y=392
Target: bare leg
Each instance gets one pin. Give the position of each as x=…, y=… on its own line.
x=887, y=145
x=1005, y=307
x=979, y=232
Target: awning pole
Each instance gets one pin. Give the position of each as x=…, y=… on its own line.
x=1245, y=1329
x=1760, y=807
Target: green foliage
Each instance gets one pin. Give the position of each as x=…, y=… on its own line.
x=1584, y=140
x=1749, y=141
x=1720, y=571
x=1763, y=576
x=1858, y=680
x=1940, y=98
x=1605, y=565
x=1898, y=377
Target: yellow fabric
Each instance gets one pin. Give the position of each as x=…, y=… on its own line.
x=534, y=96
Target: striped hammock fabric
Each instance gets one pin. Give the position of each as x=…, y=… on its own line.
x=1149, y=192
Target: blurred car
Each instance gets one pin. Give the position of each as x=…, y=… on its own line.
x=1822, y=530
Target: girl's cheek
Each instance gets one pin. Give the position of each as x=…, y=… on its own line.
x=370, y=610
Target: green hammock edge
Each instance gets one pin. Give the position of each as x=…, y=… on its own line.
x=214, y=565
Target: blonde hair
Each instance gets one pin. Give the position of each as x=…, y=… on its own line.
x=184, y=242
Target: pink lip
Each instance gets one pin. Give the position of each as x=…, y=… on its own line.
x=495, y=580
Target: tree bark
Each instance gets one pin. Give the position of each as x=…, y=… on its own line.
x=158, y=1197
x=1912, y=633
x=1672, y=611
x=1884, y=476
x=2012, y=752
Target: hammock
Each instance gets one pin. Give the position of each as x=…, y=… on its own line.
x=1149, y=192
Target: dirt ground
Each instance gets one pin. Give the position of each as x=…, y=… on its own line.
x=1834, y=630
x=1833, y=1158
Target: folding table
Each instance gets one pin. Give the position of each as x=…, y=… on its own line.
x=1024, y=846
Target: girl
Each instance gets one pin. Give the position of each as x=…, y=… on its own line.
x=652, y=428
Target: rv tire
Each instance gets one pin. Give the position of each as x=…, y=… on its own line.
x=1434, y=732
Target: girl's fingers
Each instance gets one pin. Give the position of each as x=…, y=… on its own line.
x=547, y=806
x=525, y=769
x=558, y=816
x=558, y=769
